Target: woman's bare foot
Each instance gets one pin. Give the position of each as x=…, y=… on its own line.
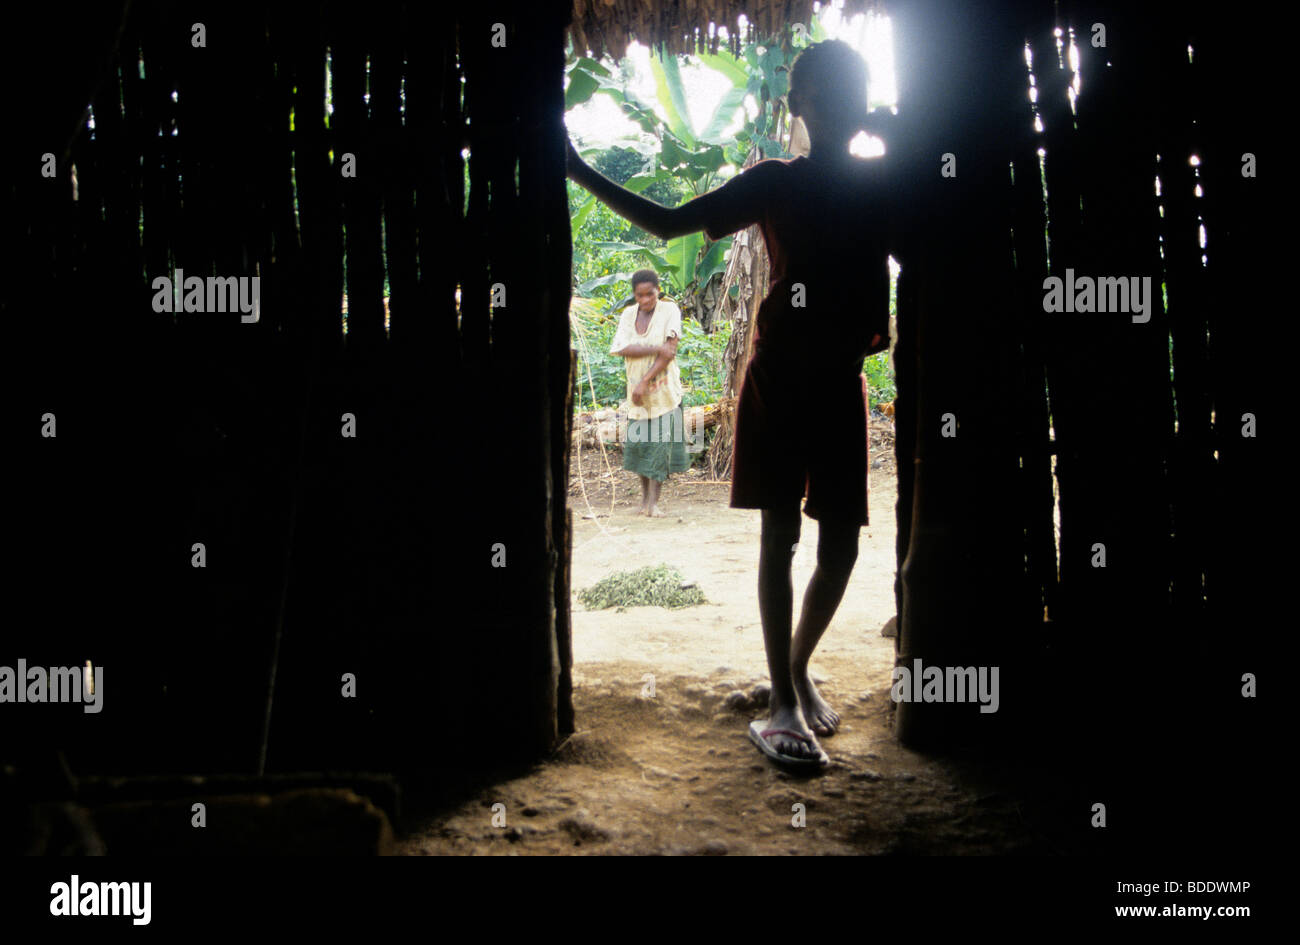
x=822, y=719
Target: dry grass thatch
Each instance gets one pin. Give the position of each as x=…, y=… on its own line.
x=682, y=26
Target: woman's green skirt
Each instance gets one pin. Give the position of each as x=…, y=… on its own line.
x=656, y=447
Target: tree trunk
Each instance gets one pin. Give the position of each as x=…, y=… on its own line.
x=748, y=271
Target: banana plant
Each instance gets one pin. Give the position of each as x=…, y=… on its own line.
x=694, y=158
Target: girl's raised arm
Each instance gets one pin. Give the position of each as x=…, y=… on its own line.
x=664, y=222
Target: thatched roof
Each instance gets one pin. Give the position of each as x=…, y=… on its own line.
x=607, y=26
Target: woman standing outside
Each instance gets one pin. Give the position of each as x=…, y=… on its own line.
x=646, y=339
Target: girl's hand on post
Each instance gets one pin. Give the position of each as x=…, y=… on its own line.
x=573, y=162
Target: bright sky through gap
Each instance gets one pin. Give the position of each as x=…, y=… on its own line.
x=599, y=123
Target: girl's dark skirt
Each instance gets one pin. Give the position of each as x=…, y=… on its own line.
x=656, y=447
x=798, y=437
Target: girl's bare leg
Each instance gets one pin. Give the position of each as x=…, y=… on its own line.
x=776, y=607
x=837, y=550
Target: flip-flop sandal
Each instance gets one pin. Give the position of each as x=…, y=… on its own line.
x=759, y=738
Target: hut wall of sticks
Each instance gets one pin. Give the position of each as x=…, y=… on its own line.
x=383, y=583
x=428, y=564
x=1154, y=461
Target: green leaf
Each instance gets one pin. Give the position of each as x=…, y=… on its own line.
x=640, y=182
x=616, y=247
x=714, y=261
x=682, y=252
x=728, y=65
x=668, y=85
x=672, y=154
x=723, y=115
x=581, y=214
x=772, y=59
x=708, y=160
x=612, y=279
x=780, y=83
x=587, y=64
x=585, y=77
x=582, y=86
x=632, y=106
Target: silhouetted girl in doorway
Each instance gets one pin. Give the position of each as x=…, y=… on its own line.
x=801, y=419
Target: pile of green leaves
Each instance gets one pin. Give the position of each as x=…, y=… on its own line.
x=659, y=586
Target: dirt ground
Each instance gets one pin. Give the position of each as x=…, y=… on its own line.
x=660, y=762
